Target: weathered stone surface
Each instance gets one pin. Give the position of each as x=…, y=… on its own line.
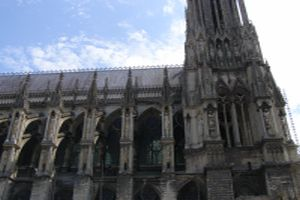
x=205, y=130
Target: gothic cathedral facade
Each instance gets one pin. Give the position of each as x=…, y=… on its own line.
x=212, y=129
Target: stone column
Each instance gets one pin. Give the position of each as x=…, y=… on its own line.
x=10, y=152
x=214, y=146
x=236, y=132
x=248, y=139
x=211, y=123
x=167, y=141
x=126, y=140
x=83, y=187
x=125, y=181
x=168, y=185
x=226, y=125
x=43, y=183
x=267, y=119
x=191, y=131
x=7, y=169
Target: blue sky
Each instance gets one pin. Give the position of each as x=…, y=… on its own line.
x=51, y=34
x=69, y=34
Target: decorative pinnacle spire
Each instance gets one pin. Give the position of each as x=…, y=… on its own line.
x=56, y=96
x=22, y=96
x=93, y=91
x=129, y=96
x=166, y=90
x=105, y=91
x=129, y=80
x=59, y=84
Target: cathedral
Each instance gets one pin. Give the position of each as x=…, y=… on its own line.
x=214, y=128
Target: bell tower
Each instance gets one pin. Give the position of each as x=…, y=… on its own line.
x=220, y=35
x=232, y=103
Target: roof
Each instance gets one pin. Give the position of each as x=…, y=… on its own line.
x=150, y=77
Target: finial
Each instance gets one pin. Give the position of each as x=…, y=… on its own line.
x=166, y=89
x=93, y=91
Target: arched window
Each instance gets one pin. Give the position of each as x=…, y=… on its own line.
x=107, y=148
x=190, y=192
x=65, y=135
x=112, y=147
x=225, y=121
x=178, y=127
x=147, y=193
x=99, y=156
x=67, y=154
x=28, y=159
x=234, y=117
x=147, y=141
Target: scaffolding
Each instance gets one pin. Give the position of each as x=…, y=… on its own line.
x=291, y=121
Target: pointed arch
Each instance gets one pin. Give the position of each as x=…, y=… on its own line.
x=63, y=138
x=69, y=137
x=190, y=191
x=240, y=87
x=115, y=115
x=107, y=148
x=147, y=141
x=222, y=88
x=28, y=158
x=179, y=137
x=147, y=192
x=233, y=114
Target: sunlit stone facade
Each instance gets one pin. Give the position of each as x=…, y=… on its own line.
x=212, y=129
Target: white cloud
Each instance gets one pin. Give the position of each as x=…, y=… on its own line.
x=124, y=24
x=138, y=36
x=169, y=7
x=79, y=8
x=91, y=52
x=278, y=33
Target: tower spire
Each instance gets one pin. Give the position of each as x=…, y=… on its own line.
x=219, y=34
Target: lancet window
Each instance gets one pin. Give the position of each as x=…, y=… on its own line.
x=107, y=148
x=67, y=155
x=29, y=156
x=178, y=127
x=234, y=119
x=147, y=141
